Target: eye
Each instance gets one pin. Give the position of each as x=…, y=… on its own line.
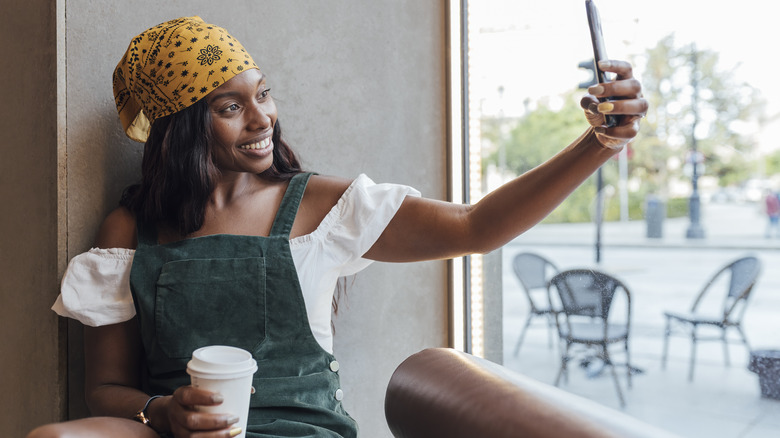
x=231, y=107
x=265, y=93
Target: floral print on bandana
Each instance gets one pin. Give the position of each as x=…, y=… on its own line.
x=209, y=55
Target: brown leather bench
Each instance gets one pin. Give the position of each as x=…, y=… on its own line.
x=441, y=392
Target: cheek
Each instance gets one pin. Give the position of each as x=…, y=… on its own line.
x=270, y=110
x=222, y=155
x=224, y=133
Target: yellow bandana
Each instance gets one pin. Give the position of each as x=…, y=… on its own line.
x=171, y=66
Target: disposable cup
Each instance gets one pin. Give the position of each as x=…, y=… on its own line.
x=227, y=371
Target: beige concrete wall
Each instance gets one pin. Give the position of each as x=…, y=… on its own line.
x=31, y=377
x=360, y=87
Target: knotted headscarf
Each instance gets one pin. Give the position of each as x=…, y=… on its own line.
x=171, y=66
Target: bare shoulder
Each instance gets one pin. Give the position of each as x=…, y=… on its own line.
x=327, y=188
x=118, y=230
x=322, y=193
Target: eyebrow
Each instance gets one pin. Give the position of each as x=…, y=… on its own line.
x=233, y=93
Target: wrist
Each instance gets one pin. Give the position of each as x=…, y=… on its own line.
x=154, y=413
x=611, y=144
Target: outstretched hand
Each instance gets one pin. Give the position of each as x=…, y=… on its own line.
x=628, y=103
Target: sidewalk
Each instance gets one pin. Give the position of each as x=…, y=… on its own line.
x=726, y=226
x=661, y=274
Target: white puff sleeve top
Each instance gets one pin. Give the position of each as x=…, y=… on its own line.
x=96, y=286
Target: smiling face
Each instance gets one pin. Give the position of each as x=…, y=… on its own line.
x=243, y=116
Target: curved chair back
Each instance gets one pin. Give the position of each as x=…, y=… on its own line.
x=533, y=272
x=586, y=292
x=743, y=274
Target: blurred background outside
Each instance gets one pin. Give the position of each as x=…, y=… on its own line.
x=682, y=200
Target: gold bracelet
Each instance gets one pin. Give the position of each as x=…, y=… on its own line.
x=141, y=415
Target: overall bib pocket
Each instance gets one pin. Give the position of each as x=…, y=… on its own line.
x=203, y=302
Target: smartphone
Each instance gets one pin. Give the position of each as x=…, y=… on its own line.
x=599, y=50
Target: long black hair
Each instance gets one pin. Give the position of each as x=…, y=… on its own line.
x=178, y=173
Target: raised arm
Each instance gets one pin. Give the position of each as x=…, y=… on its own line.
x=424, y=229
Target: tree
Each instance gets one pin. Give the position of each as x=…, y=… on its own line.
x=663, y=144
x=534, y=138
x=772, y=163
x=537, y=136
x=723, y=105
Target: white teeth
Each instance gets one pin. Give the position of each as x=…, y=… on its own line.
x=260, y=145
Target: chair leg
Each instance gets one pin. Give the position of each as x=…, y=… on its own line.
x=563, y=370
x=742, y=335
x=522, y=334
x=693, y=353
x=550, y=329
x=608, y=361
x=725, y=346
x=628, y=365
x=667, y=331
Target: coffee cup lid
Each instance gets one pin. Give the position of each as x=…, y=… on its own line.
x=221, y=360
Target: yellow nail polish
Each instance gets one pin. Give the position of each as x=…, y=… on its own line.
x=235, y=431
x=606, y=107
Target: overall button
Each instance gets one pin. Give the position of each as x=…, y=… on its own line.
x=334, y=366
x=339, y=394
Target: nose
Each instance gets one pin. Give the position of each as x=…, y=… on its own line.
x=259, y=116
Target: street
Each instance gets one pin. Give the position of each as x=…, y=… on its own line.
x=663, y=274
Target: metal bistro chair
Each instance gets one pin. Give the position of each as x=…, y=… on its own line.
x=741, y=275
x=586, y=299
x=533, y=272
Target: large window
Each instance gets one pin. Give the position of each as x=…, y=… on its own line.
x=684, y=199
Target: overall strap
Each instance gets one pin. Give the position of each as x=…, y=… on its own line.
x=147, y=233
x=289, y=208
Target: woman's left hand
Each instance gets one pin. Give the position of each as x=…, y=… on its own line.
x=628, y=103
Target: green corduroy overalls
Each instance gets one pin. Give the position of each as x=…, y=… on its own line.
x=241, y=291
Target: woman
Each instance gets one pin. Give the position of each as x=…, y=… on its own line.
x=227, y=241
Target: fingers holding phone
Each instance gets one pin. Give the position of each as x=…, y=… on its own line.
x=621, y=99
x=622, y=96
x=613, y=107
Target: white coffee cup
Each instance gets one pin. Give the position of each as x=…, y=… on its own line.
x=227, y=371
